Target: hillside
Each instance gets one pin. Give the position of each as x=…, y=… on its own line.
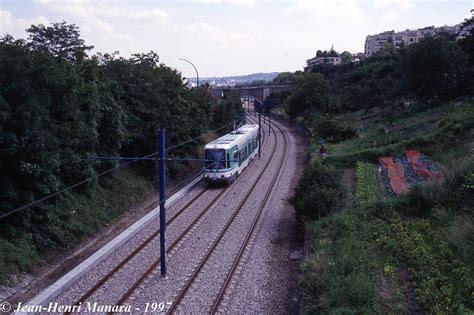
x=386, y=199
x=386, y=253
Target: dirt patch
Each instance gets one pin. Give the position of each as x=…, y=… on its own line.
x=407, y=286
x=397, y=294
x=387, y=291
x=28, y=285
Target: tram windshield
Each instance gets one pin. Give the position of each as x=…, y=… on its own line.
x=215, y=159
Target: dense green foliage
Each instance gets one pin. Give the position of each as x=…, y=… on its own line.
x=310, y=97
x=340, y=273
x=365, y=259
x=59, y=108
x=434, y=70
x=428, y=233
x=331, y=128
x=319, y=193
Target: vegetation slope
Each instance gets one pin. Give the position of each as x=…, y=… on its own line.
x=60, y=108
x=384, y=254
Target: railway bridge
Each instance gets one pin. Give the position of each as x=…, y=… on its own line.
x=258, y=92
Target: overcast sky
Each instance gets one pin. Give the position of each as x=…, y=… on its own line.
x=230, y=37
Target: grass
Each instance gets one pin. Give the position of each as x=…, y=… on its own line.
x=445, y=283
x=355, y=256
x=392, y=131
x=341, y=273
x=69, y=220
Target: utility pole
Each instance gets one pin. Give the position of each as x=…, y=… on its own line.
x=259, y=133
x=269, y=122
x=162, y=183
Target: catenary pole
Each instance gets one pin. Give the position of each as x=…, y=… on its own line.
x=259, y=133
x=162, y=183
x=269, y=122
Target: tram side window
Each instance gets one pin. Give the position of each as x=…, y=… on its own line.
x=236, y=156
x=243, y=154
x=255, y=144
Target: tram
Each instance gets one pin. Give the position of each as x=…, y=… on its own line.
x=226, y=157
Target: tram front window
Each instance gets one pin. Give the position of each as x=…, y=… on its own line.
x=215, y=159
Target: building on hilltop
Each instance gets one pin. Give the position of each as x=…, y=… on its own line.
x=332, y=58
x=374, y=43
x=310, y=63
x=324, y=58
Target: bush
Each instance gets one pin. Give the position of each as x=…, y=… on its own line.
x=16, y=255
x=64, y=223
x=444, y=283
x=452, y=192
x=331, y=129
x=340, y=274
x=319, y=193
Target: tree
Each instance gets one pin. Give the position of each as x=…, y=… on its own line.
x=346, y=57
x=228, y=110
x=61, y=40
x=288, y=78
x=258, y=83
x=332, y=53
x=310, y=97
x=467, y=43
x=436, y=69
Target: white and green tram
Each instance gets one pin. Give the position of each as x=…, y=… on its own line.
x=226, y=157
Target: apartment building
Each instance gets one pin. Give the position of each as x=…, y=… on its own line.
x=310, y=63
x=374, y=43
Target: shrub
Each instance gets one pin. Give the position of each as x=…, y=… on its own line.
x=452, y=192
x=16, y=255
x=444, y=283
x=340, y=274
x=319, y=193
x=331, y=129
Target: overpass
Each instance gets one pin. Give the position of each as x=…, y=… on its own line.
x=258, y=92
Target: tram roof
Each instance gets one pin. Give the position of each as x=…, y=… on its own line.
x=237, y=137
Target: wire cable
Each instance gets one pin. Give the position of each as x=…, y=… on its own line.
x=2, y=216
x=191, y=140
x=9, y=213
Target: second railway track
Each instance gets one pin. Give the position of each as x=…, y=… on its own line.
x=211, y=274
x=120, y=266
x=96, y=291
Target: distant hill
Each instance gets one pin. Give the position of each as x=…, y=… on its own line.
x=234, y=80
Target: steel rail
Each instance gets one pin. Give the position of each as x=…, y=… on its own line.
x=198, y=269
x=237, y=260
x=137, y=250
x=172, y=246
x=150, y=269
x=109, y=275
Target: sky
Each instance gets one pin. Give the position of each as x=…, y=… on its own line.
x=230, y=37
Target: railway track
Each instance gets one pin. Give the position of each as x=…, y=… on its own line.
x=217, y=300
x=140, y=248
x=155, y=267
x=156, y=264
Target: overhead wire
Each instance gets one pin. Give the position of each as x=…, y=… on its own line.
x=35, y=202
